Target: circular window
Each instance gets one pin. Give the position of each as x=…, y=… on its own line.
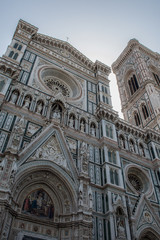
x=57, y=85
x=58, y=81
x=138, y=180
x=135, y=182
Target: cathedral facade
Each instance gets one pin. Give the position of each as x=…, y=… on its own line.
x=70, y=168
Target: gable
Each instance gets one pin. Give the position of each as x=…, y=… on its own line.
x=49, y=146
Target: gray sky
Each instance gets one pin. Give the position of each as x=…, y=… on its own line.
x=99, y=29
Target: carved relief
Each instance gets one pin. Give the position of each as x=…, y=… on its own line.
x=51, y=151
x=84, y=157
x=32, y=129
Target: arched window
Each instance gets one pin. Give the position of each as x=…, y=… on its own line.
x=110, y=132
x=114, y=177
x=156, y=77
x=105, y=177
x=158, y=152
x=102, y=89
x=107, y=204
x=111, y=176
x=107, y=100
x=103, y=97
x=145, y=112
x=137, y=119
x=112, y=156
x=106, y=90
x=133, y=84
x=158, y=174
x=11, y=54
x=107, y=131
x=15, y=56
x=20, y=47
x=15, y=45
x=152, y=152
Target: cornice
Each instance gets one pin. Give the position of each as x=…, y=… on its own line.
x=53, y=42
x=132, y=44
x=26, y=27
x=105, y=112
x=9, y=69
x=147, y=134
x=129, y=128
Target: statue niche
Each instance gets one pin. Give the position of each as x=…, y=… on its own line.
x=14, y=96
x=72, y=121
x=39, y=107
x=93, y=129
x=27, y=101
x=56, y=112
x=120, y=220
x=82, y=125
x=38, y=203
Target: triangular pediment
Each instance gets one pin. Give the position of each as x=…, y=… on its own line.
x=49, y=146
x=50, y=151
x=146, y=215
x=64, y=49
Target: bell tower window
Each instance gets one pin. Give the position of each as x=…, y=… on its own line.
x=156, y=77
x=145, y=112
x=137, y=119
x=133, y=84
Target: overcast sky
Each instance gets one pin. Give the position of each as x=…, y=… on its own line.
x=99, y=29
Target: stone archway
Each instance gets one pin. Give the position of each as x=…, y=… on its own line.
x=43, y=187
x=149, y=235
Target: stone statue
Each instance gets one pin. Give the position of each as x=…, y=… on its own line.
x=93, y=130
x=17, y=134
x=20, y=125
x=13, y=173
x=71, y=122
x=82, y=126
x=80, y=197
x=84, y=156
x=131, y=146
x=122, y=142
x=120, y=229
x=57, y=113
x=14, y=97
x=90, y=199
x=141, y=151
x=26, y=102
x=39, y=108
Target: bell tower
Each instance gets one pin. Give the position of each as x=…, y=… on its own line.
x=137, y=71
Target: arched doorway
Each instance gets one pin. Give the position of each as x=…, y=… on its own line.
x=148, y=235
x=45, y=198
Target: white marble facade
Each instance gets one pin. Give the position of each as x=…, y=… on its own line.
x=70, y=168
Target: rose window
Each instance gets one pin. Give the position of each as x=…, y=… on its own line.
x=57, y=86
x=135, y=182
x=56, y=80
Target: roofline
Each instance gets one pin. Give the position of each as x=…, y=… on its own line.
x=132, y=44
